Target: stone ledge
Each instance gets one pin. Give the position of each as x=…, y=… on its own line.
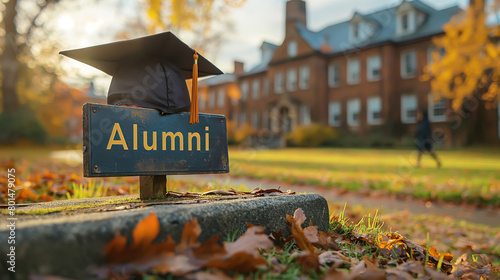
x=68, y=245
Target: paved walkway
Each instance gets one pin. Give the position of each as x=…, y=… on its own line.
x=388, y=204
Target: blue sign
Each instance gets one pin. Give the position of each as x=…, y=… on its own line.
x=130, y=141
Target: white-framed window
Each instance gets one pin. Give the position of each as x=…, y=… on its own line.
x=221, y=98
x=243, y=118
x=292, y=48
x=278, y=82
x=305, y=115
x=436, y=109
x=374, y=110
x=353, y=111
x=406, y=22
x=244, y=91
x=408, y=64
x=255, y=120
x=373, y=68
x=291, y=80
x=409, y=105
x=334, y=112
x=304, y=77
x=353, y=69
x=355, y=30
x=333, y=74
x=211, y=99
x=255, y=89
x=265, y=119
x=265, y=87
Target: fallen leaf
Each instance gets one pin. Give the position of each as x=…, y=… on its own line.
x=447, y=257
x=219, y=192
x=333, y=257
x=187, y=256
x=365, y=269
x=334, y=274
x=308, y=260
x=295, y=224
x=27, y=193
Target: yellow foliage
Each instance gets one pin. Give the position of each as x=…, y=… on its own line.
x=233, y=91
x=243, y=132
x=196, y=16
x=313, y=135
x=471, y=58
x=239, y=134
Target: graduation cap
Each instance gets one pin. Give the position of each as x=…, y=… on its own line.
x=150, y=72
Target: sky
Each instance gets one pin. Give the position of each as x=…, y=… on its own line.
x=255, y=22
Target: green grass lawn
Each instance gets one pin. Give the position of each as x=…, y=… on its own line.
x=471, y=176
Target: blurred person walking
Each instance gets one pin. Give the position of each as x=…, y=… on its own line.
x=424, y=137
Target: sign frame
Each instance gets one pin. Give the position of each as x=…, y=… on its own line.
x=208, y=154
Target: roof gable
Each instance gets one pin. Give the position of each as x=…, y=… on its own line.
x=337, y=36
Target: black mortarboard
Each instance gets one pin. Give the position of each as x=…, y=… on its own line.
x=149, y=71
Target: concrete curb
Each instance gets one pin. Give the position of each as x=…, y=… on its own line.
x=67, y=246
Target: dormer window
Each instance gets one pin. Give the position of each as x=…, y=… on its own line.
x=355, y=31
x=361, y=29
x=404, y=22
x=408, y=19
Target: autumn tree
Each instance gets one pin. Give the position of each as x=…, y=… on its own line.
x=470, y=63
x=22, y=21
x=198, y=18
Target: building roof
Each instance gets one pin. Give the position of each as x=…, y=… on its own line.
x=337, y=35
x=218, y=80
x=262, y=66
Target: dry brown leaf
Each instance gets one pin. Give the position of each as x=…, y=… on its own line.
x=333, y=257
x=243, y=255
x=26, y=194
x=219, y=192
x=311, y=233
x=308, y=260
x=447, y=257
x=295, y=224
x=326, y=242
x=334, y=274
x=365, y=269
x=251, y=241
x=45, y=197
x=186, y=257
x=212, y=275
x=278, y=239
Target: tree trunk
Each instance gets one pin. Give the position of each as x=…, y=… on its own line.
x=10, y=63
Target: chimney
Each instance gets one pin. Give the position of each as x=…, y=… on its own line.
x=295, y=13
x=239, y=68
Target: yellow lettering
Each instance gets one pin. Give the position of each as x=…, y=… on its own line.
x=112, y=141
x=152, y=147
x=206, y=139
x=190, y=142
x=172, y=140
x=135, y=137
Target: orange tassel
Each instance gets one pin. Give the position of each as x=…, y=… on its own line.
x=194, y=92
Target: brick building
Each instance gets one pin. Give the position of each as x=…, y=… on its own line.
x=360, y=76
